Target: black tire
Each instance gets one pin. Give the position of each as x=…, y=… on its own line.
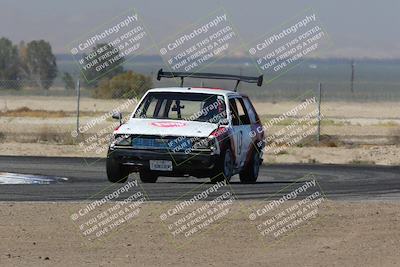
x=147, y=177
x=224, y=168
x=116, y=173
x=249, y=174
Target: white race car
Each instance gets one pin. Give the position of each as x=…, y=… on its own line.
x=189, y=131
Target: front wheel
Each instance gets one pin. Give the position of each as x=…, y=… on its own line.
x=116, y=173
x=224, y=168
x=250, y=173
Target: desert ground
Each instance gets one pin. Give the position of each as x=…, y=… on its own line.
x=342, y=234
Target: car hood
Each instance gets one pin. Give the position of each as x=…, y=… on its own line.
x=166, y=127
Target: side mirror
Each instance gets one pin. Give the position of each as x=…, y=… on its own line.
x=117, y=116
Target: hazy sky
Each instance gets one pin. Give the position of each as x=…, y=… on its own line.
x=358, y=28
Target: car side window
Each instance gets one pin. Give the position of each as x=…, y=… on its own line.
x=238, y=112
x=242, y=112
x=234, y=111
x=250, y=110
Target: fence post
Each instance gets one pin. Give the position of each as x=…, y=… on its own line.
x=352, y=77
x=78, y=93
x=319, y=112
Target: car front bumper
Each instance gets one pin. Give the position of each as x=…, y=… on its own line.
x=194, y=163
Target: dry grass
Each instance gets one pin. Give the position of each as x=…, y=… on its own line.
x=47, y=136
x=2, y=137
x=362, y=162
x=329, y=141
x=395, y=136
x=40, y=113
x=27, y=112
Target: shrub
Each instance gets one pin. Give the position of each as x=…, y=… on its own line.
x=124, y=85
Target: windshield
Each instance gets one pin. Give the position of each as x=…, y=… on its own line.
x=183, y=106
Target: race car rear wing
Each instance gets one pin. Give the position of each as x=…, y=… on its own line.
x=237, y=78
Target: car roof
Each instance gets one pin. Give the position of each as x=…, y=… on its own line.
x=203, y=90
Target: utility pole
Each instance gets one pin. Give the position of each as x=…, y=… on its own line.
x=319, y=112
x=78, y=93
x=352, y=77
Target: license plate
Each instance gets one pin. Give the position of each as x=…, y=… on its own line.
x=161, y=165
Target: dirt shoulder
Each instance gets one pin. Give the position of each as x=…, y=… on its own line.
x=342, y=234
x=367, y=154
x=364, y=154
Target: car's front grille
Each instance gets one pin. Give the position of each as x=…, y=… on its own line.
x=171, y=143
x=140, y=142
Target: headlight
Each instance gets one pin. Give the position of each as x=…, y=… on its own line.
x=213, y=143
x=122, y=140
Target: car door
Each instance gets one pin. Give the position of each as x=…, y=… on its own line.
x=245, y=129
x=236, y=131
x=240, y=130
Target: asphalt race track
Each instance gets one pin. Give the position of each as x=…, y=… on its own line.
x=86, y=179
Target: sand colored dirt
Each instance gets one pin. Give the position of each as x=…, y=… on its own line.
x=381, y=155
x=342, y=234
